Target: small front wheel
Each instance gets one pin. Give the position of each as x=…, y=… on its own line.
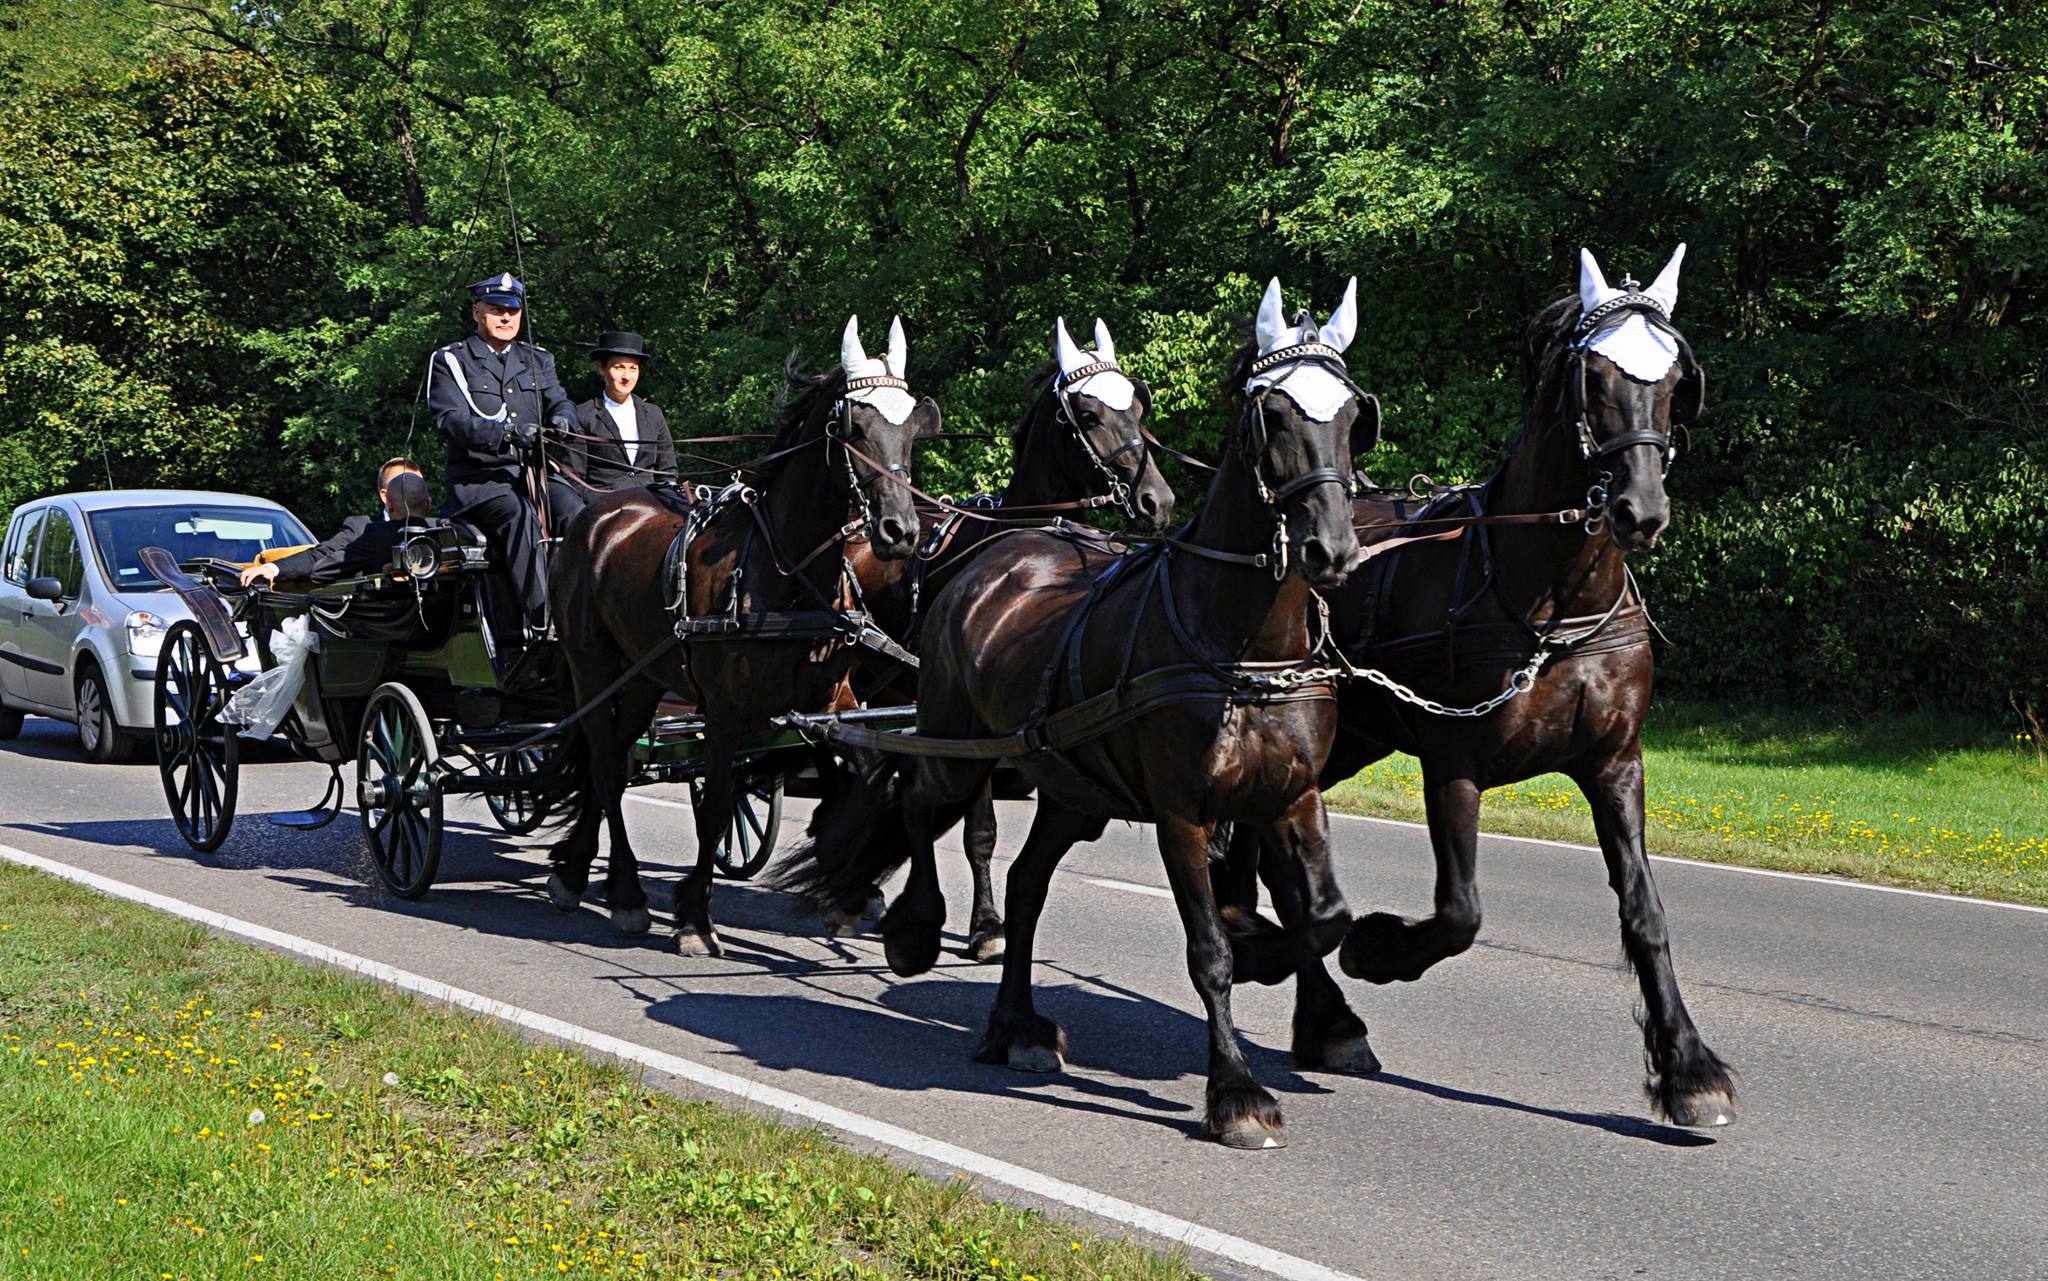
x=521, y=811
x=198, y=757
x=756, y=822
x=398, y=790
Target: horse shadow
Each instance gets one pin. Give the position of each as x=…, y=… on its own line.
x=917, y=1038
x=1630, y=1127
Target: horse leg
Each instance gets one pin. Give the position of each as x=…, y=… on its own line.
x=1240, y=1113
x=1018, y=1036
x=694, y=935
x=1328, y=1034
x=622, y=890
x=985, y=929
x=1688, y=1083
x=1385, y=948
x=912, y=926
x=570, y=859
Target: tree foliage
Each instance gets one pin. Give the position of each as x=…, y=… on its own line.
x=229, y=234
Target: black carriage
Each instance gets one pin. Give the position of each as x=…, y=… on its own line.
x=403, y=682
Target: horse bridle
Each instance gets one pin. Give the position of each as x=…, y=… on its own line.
x=1591, y=326
x=839, y=431
x=1118, y=489
x=1592, y=449
x=1310, y=351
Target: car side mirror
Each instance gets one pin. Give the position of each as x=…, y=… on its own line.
x=49, y=589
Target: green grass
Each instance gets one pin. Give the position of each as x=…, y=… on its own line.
x=1923, y=800
x=175, y=1105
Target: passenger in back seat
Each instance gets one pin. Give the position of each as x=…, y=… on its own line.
x=361, y=545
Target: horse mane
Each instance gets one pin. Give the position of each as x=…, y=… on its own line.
x=804, y=396
x=1238, y=369
x=1546, y=348
x=1040, y=387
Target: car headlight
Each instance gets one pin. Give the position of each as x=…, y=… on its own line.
x=145, y=633
x=421, y=557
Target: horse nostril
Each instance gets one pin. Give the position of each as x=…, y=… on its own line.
x=893, y=530
x=1315, y=554
x=1148, y=502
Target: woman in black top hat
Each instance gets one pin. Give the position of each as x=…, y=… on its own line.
x=621, y=439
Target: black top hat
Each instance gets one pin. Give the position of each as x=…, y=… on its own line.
x=617, y=342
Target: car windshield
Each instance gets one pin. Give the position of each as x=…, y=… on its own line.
x=187, y=532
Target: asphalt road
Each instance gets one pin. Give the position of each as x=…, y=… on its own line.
x=1893, y=1049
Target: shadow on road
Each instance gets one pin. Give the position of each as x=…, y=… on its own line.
x=1632, y=1127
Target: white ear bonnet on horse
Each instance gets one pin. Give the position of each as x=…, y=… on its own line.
x=893, y=403
x=1638, y=348
x=1109, y=386
x=1316, y=391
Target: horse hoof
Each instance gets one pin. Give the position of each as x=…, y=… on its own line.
x=690, y=942
x=1249, y=1135
x=1707, y=1110
x=630, y=920
x=1373, y=950
x=985, y=947
x=843, y=925
x=1351, y=1054
x=876, y=905
x=564, y=899
x=1034, y=1058
x=911, y=952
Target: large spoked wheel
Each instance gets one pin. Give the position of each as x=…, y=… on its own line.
x=398, y=790
x=756, y=822
x=198, y=757
x=523, y=810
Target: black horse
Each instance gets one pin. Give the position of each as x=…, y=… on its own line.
x=839, y=463
x=1539, y=607
x=1170, y=685
x=1080, y=447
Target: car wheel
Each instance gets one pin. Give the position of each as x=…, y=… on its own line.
x=10, y=722
x=104, y=741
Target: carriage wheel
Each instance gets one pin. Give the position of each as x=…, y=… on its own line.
x=197, y=756
x=756, y=821
x=523, y=811
x=399, y=791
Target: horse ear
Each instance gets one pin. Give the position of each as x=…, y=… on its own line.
x=1272, y=324
x=1665, y=287
x=1105, y=348
x=898, y=358
x=1144, y=390
x=929, y=420
x=1343, y=322
x=851, y=352
x=1593, y=288
x=1064, y=349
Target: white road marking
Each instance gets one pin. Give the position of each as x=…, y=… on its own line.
x=1130, y=887
x=1837, y=882
x=1044, y=1186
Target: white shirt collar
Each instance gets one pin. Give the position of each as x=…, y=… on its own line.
x=628, y=423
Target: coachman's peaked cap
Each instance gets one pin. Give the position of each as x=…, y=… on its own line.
x=503, y=289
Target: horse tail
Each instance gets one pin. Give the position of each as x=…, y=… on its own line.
x=856, y=836
x=563, y=782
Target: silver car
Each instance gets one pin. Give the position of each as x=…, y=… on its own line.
x=81, y=621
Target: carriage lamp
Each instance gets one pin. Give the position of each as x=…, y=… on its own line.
x=145, y=633
x=420, y=556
